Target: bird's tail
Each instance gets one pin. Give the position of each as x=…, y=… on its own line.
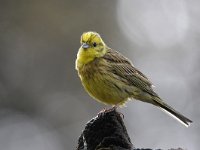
x=169, y=110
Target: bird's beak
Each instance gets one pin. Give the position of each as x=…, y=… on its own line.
x=85, y=46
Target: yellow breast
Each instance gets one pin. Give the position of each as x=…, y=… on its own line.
x=99, y=84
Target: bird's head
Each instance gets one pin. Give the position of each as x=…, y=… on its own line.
x=92, y=46
x=92, y=41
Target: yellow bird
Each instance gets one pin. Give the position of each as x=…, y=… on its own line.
x=111, y=78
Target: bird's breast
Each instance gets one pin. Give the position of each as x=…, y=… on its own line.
x=87, y=71
x=100, y=84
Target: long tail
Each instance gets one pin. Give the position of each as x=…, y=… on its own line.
x=169, y=110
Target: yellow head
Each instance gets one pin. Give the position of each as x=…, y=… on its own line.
x=92, y=46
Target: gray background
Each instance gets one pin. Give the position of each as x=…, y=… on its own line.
x=43, y=105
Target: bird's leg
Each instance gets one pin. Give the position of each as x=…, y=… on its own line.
x=115, y=108
x=102, y=111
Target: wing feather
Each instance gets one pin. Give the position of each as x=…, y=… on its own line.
x=123, y=68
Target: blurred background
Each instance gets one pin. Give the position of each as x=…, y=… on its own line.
x=43, y=105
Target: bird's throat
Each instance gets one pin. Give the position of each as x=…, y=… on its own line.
x=83, y=58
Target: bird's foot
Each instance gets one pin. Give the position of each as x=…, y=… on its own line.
x=113, y=108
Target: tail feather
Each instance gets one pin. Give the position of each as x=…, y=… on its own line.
x=169, y=110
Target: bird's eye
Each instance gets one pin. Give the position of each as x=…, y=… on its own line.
x=94, y=44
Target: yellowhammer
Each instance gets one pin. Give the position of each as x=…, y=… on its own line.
x=110, y=78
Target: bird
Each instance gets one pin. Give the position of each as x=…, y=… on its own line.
x=112, y=79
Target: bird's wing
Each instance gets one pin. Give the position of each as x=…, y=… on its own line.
x=123, y=68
